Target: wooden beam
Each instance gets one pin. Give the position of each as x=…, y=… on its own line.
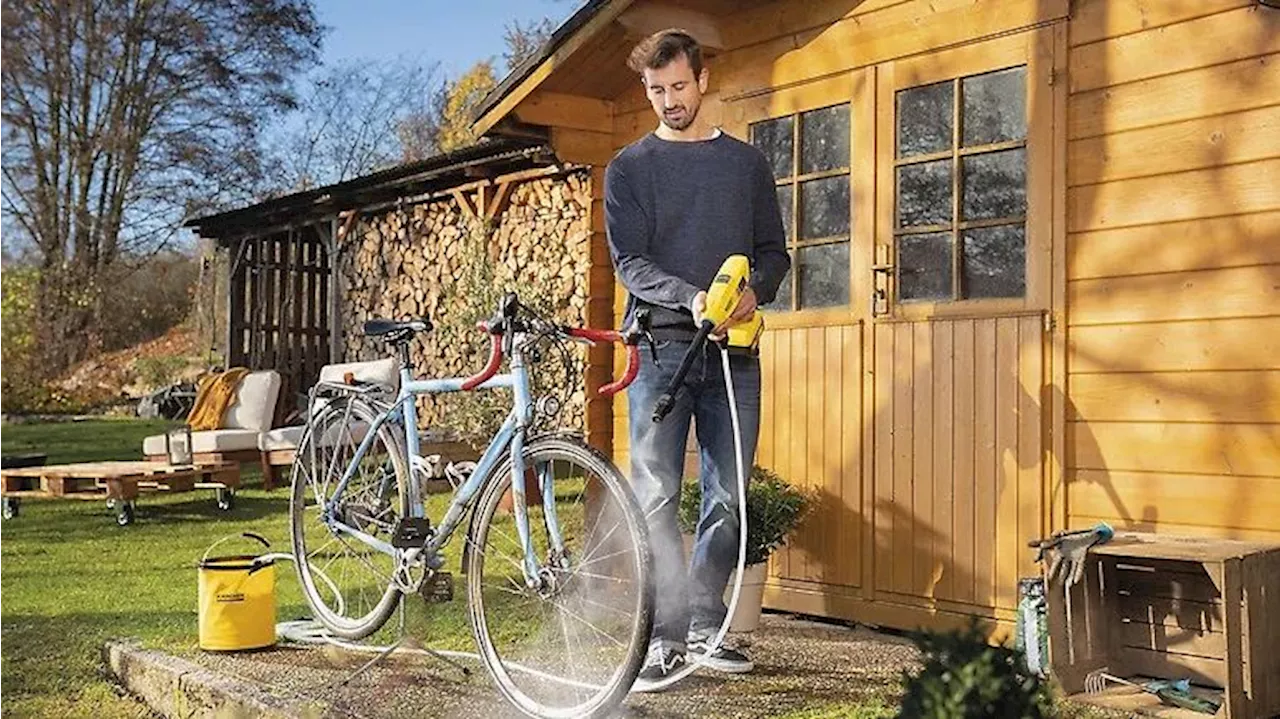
x=348, y=221
x=465, y=203
x=645, y=19
x=499, y=203
x=482, y=197
x=513, y=98
x=554, y=109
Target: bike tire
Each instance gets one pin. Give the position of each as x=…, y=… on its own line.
x=628, y=661
x=377, y=599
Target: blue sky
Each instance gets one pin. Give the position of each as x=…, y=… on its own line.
x=455, y=33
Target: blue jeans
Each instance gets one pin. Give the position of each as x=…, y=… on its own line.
x=692, y=602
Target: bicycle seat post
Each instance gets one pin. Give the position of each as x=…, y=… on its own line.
x=402, y=349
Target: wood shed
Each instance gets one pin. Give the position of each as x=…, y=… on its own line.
x=1037, y=269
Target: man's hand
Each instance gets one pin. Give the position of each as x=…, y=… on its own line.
x=746, y=305
x=699, y=308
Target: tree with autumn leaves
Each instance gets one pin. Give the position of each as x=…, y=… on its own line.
x=123, y=119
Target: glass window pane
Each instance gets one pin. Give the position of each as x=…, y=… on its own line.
x=924, y=267
x=784, y=206
x=783, y=299
x=824, y=139
x=824, y=208
x=995, y=261
x=924, y=119
x=924, y=194
x=824, y=275
x=995, y=185
x=995, y=107
x=776, y=141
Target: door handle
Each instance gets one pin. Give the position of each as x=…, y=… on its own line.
x=881, y=276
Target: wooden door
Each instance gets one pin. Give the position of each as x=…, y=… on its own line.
x=960, y=305
x=818, y=138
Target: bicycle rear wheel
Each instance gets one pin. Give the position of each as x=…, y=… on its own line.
x=572, y=645
x=347, y=582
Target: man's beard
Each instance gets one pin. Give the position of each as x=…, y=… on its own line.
x=686, y=119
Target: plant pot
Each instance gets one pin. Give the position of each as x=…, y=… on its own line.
x=532, y=493
x=746, y=616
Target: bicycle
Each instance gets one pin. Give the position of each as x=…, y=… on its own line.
x=362, y=540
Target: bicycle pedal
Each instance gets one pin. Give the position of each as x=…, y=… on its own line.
x=438, y=588
x=411, y=532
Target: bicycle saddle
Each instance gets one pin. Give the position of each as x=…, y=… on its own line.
x=396, y=331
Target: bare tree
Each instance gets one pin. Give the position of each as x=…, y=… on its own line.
x=355, y=118
x=524, y=41
x=121, y=116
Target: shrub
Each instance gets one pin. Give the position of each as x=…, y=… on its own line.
x=774, y=508
x=964, y=677
x=156, y=372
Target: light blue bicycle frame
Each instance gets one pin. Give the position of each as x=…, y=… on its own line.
x=510, y=437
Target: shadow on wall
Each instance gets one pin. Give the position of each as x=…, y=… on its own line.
x=1174, y=271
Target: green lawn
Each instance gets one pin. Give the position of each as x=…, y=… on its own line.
x=73, y=579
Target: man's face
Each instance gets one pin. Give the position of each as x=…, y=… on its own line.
x=674, y=92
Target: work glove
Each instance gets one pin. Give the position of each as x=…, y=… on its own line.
x=1067, y=551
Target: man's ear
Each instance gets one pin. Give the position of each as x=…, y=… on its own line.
x=703, y=77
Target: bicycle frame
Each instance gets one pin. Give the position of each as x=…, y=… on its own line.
x=510, y=437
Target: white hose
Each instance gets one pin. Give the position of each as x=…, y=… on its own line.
x=309, y=631
x=690, y=667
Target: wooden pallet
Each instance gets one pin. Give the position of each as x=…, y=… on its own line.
x=116, y=480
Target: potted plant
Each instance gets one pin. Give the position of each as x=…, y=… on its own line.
x=774, y=508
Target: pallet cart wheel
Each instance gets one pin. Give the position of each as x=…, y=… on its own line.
x=124, y=515
x=111, y=504
x=226, y=499
x=10, y=507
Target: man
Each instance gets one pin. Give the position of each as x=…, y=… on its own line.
x=677, y=203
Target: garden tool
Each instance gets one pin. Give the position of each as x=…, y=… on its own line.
x=1174, y=693
x=1067, y=551
x=726, y=289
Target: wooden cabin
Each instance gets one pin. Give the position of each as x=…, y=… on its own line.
x=1036, y=285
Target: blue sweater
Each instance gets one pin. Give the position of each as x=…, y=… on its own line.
x=675, y=210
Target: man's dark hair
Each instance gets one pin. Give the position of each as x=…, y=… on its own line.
x=660, y=48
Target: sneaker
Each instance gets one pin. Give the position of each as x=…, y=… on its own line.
x=661, y=662
x=724, y=659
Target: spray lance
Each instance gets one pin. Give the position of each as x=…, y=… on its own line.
x=722, y=298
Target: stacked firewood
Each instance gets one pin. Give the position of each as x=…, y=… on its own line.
x=414, y=262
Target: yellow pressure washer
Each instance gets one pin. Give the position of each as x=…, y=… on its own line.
x=726, y=290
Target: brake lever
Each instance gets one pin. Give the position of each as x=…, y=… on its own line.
x=644, y=324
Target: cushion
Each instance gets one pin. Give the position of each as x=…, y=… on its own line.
x=289, y=437
x=280, y=438
x=214, y=440
x=384, y=371
x=255, y=404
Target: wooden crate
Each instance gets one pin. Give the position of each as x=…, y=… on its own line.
x=1170, y=608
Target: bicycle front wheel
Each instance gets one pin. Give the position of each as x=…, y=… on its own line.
x=572, y=644
x=347, y=581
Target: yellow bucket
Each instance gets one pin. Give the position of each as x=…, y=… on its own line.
x=237, y=596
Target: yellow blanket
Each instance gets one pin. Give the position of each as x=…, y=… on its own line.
x=214, y=394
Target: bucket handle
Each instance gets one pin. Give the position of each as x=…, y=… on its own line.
x=247, y=535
